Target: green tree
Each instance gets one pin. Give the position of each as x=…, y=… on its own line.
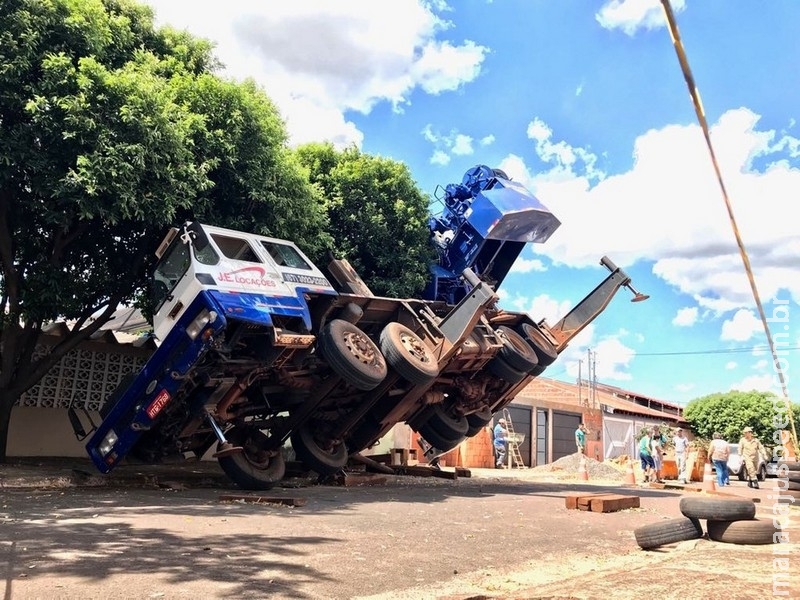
x=378, y=217
x=110, y=131
x=730, y=412
x=259, y=185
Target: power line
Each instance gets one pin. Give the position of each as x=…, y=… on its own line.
x=764, y=349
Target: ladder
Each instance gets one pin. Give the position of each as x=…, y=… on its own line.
x=514, y=441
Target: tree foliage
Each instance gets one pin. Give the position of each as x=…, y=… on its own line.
x=730, y=412
x=110, y=131
x=378, y=217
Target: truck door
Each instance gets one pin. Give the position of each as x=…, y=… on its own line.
x=172, y=291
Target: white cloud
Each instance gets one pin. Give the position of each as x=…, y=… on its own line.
x=462, y=145
x=562, y=156
x=540, y=307
x=526, y=265
x=684, y=387
x=741, y=327
x=309, y=55
x=730, y=365
x=612, y=357
x=631, y=15
x=455, y=143
x=763, y=383
x=440, y=158
x=686, y=317
x=762, y=364
x=681, y=221
x=487, y=140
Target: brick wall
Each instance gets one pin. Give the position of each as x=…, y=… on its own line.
x=476, y=452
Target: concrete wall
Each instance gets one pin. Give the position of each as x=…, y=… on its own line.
x=43, y=432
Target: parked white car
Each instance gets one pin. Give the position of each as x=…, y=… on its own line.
x=735, y=466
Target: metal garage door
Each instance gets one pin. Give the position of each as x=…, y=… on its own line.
x=564, y=426
x=521, y=421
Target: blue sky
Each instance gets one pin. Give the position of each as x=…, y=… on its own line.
x=584, y=102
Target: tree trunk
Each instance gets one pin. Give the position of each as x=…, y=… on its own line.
x=7, y=401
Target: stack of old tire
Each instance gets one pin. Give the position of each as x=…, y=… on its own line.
x=729, y=520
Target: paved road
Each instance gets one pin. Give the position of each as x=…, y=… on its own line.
x=410, y=538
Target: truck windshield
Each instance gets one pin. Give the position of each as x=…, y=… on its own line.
x=170, y=269
x=285, y=256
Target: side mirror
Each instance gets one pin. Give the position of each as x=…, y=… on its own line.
x=198, y=235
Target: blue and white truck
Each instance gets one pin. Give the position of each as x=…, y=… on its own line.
x=259, y=346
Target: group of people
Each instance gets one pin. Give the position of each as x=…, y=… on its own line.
x=651, y=452
x=750, y=449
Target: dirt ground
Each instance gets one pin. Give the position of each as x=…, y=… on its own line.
x=498, y=534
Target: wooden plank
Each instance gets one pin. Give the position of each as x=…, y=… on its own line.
x=419, y=471
x=257, y=499
x=442, y=474
x=463, y=472
x=585, y=502
x=613, y=503
x=571, y=499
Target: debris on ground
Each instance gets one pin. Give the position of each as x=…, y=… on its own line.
x=570, y=464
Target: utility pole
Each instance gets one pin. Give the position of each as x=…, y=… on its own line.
x=580, y=384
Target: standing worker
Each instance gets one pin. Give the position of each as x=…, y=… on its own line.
x=580, y=438
x=750, y=448
x=500, y=443
x=681, y=444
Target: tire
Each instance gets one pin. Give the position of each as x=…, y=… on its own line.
x=114, y=396
x=793, y=485
x=252, y=469
x=408, y=354
x=477, y=421
x=502, y=370
x=352, y=355
x=715, y=509
x=667, y=532
x=762, y=473
x=437, y=440
x=740, y=474
x=751, y=532
x=545, y=351
x=325, y=461
x=793, y=466
x=449, y=426
x=516, y=351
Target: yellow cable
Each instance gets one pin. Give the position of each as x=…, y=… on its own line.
x=701, y=117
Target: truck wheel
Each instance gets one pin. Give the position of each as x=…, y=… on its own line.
x=667, y=532
x=254, y=468
x=437, y=440
x=450, y=426
x=502, y=370
x=733, y=509
x=516, y=351
x=478, y=421
x=408, y=354
x=750, y=532
x=352, y=355
x=545, y=351
x=323, y=457
x=762, y=473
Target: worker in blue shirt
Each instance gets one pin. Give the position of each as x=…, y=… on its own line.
x=500, y=443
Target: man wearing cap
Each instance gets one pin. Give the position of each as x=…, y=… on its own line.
x=681, y=444
x=500, y=443
x=750, y=448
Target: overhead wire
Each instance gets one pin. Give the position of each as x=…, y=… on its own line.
x=698, y=107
